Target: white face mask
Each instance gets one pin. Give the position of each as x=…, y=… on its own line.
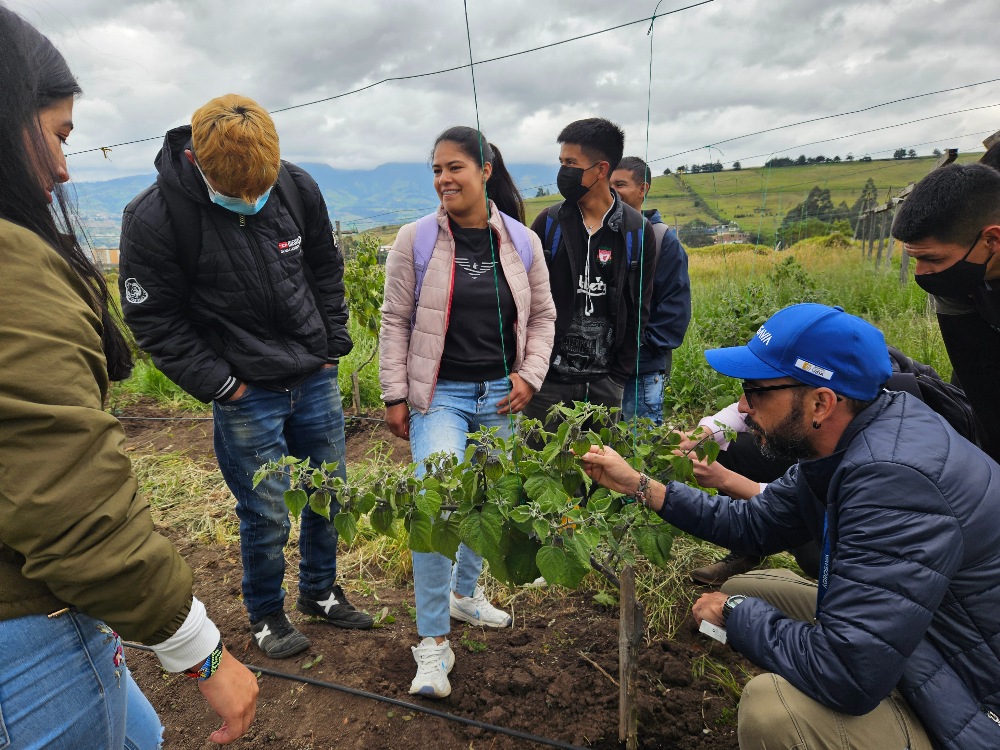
x=236, y=205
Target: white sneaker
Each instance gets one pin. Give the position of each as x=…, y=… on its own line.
x=434, y=662
x=477, y=610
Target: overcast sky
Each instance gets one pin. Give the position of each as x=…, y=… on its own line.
x=721, y=70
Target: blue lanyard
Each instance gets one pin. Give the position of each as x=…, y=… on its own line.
x=824, y=565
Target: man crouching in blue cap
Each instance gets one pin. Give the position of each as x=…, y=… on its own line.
x=899, y=644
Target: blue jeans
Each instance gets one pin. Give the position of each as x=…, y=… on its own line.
x=64, y=686
x=456, y=410
x=262, y=426
x=650, y=401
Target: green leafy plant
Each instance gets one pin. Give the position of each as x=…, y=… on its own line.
x=364, y=279
x=471, y=644
x=524, y=503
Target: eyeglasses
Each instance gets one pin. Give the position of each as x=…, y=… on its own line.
x=748, y=390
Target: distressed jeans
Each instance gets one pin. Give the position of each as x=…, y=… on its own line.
x=64, y=686
x=261, y=426
x=456, y=410
x=643, y=397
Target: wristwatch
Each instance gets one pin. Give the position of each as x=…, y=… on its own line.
x=730, y=605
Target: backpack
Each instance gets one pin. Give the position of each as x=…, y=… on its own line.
x=185, y=222
x=427, y=232
x=945, y=398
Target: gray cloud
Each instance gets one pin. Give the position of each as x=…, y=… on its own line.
x=719, y=71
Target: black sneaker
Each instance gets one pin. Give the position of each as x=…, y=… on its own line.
x=334, y=608
x=277, y=637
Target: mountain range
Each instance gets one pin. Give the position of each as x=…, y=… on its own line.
x=390, y=194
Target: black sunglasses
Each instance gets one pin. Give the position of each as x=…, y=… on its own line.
x=748, y=390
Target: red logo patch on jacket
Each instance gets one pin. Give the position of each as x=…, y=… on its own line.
x=287, y=246
x=604, y=255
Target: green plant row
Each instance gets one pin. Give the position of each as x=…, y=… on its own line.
x=522, y=502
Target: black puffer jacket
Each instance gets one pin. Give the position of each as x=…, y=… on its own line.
x=247, y=313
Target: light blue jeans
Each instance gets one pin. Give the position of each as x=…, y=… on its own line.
x=64, y=686
x=456, y=410
x=650, y=397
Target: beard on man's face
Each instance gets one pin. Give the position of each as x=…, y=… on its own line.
x=788, y=440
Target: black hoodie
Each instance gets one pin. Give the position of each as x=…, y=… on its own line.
x=247, y=312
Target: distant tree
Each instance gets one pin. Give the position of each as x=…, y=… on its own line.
x=936, y=152
x=737, y=166
x=836, y=158
x=542, y=192
x=849, y=157
x=801, y=160
x=666, y=171
x=865, y=201
x=820, y=159
x=695, y=168
x=911, y=154
x=681, y=169
x=866, y=157
x=899, y=153
x=781, y=161
x=696, y=233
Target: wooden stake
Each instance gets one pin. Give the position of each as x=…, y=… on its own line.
x=630, y=631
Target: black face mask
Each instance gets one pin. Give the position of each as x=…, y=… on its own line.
x=570, y=182
x=957, y=280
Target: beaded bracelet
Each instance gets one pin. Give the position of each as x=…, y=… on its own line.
x=208, y=667
x=640, y=492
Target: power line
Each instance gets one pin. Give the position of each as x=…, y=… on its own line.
x=435, y=72
x=826, y=117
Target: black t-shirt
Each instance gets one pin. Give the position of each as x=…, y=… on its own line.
x=473, y=351
x=585, y=350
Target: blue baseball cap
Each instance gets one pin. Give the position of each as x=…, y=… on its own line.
x=818, y=345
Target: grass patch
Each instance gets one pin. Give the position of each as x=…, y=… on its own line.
x=187, y=497
x=147, y=380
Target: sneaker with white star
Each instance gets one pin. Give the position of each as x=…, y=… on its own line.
x=434, y=662
x=277, y=637
x=477, y=610
x=334, y=608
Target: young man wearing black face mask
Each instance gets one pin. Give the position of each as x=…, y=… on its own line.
x=951, y=224
x=600, y=253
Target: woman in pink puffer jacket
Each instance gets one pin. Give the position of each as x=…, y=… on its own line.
x=467, y=329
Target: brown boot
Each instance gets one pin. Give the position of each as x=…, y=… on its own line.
x=719, y=572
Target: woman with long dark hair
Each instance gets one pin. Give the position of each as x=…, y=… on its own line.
x=467, y=329
x=79, y=559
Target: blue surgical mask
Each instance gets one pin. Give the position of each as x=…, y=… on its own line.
x=236, y=205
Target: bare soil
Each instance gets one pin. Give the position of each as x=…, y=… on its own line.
x=549, y=675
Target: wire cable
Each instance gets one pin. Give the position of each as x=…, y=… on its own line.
x=429, y=73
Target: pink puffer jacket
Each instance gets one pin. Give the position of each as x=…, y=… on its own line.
x=410, y=353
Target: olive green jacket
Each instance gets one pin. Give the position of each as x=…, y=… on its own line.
x=74, y=531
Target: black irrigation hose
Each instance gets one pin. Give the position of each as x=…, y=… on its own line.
x=402, y=704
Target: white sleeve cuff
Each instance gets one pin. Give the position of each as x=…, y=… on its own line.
x=194, y=640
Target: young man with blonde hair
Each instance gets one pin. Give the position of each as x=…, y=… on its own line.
x=232, y=281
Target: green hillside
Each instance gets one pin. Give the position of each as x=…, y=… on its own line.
x=757, y=198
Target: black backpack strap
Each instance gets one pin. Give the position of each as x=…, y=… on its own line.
x=185, y=222
x=291, y=197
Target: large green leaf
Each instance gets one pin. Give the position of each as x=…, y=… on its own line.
x=520, y=558
x=319, y=502
x=296, y=500
x=509, y=488
x=481, y=530
x=420, y=526
x=347, y=527
x=428, y=502
x=547, y=491
x=654, y=542
x=381, y=519
x=444, y=535
x=559, y=567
